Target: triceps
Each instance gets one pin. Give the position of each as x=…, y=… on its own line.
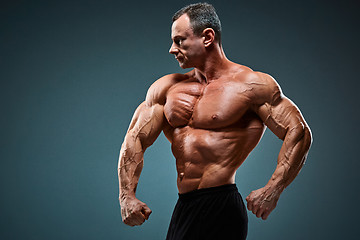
x=282, y=117
x=271, y=120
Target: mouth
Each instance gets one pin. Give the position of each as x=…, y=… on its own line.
x=178, y=58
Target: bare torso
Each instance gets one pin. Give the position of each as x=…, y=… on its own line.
x=213, y=116
x=211, y=127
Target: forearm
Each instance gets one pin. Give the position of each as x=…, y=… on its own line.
x=130, y=165
x=145, y=127
x=292, y=157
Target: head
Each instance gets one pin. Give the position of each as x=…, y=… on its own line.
x=195, y=29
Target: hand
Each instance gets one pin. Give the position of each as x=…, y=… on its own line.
x=134, y=212
x=262, y=201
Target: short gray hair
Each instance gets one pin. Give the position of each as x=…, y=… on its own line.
x=201, y=15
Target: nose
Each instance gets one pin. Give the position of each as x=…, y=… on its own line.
x=173, y=50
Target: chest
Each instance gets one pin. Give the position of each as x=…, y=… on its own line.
x=211, y=106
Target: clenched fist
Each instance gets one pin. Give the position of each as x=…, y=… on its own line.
x=134, y=212
x=262, y=201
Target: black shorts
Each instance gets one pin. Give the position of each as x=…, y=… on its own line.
x=210, y=213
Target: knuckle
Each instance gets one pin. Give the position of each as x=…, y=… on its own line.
x=132, y=214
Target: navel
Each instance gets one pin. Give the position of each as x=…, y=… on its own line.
x=181, y=175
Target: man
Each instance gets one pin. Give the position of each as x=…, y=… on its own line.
x=213, y=117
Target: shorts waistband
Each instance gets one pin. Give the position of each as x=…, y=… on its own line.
x=207, y=191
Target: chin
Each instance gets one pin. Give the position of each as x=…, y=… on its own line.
x=184, y=65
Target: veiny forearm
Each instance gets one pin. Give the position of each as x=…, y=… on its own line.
x=145, y=127
x=130, y=165
x=292, y=156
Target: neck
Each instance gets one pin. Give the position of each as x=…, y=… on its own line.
x=215, y=63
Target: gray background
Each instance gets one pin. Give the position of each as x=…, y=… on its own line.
x=73, y=72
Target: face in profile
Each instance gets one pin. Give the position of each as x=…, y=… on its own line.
x=187, y=48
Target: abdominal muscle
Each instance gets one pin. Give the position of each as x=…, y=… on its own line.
x=210, y=157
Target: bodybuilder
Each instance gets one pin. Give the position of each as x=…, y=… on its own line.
x=213, y=116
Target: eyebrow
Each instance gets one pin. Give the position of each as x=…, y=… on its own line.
x=177, y=36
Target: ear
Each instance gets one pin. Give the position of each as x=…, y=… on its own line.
x=208, y=36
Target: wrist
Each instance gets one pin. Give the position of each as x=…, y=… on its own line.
x=276, y=185
x=124, y=196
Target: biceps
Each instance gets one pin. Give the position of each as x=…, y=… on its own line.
x=146, y=124
x=281, y=117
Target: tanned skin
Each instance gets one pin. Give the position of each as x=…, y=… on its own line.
x=213, y=117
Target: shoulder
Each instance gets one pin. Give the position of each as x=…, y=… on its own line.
x=156, y=94
x=264, y=87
